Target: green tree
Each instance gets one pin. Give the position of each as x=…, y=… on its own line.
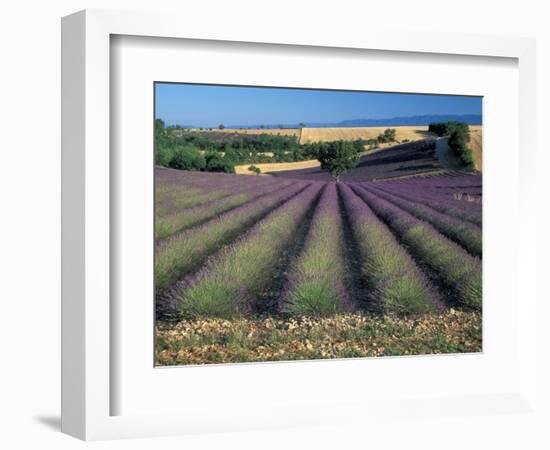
x=338, y=157
x=215, y=162
x=221, y=126
x=389, y=134
x=458, y=142
x=163, y=145
x=187, y=158
x=302, y=125
x=359, y=145
x=163, y=156
x=160, y=129
x=279, y=155
x=235, y=155
x=447, y=128
x=458, y=139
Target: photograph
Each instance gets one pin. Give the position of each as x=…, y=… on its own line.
x=304, y=224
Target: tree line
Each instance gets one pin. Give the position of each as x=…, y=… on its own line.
x=220, y=153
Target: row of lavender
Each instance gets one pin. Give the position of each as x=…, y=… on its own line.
x=177, y=190
x=458, y=196
x=192, y=210
x=183, y=252
x=412, y=257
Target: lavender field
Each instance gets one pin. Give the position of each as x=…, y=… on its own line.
x=260, y=268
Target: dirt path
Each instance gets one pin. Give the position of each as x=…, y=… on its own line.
x=445, y=155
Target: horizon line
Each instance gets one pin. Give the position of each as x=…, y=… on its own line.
x=316, y=124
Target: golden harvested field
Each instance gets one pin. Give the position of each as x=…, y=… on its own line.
x=277, y=167
x=476, y=138
x=305, y=135
x=412, y=133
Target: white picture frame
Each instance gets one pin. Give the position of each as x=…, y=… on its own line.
x=87, y=325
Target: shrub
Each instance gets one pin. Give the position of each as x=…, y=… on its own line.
x=372, y=143
x=467, y=157
x=458, y=140
x=255, y=169
x=359, y=145
x=187, y=158
x=163, y=156
x=235, y=155
x=160, y=129
x=387, y=136
x=215, y=162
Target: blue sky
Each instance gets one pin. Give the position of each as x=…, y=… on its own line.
x=208, y=106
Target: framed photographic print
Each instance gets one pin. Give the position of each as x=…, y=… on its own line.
x=264, y=229
x=290, y=240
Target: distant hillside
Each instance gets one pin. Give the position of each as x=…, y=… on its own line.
x=470, y=119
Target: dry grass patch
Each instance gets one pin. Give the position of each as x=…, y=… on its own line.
x=277, y=167
x=476, y=138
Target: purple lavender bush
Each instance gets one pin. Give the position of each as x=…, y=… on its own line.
x=184, y=252
x=395, y=283
x=315, y=285
x=456, y=269
x=463, y=233
x=230, y=284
